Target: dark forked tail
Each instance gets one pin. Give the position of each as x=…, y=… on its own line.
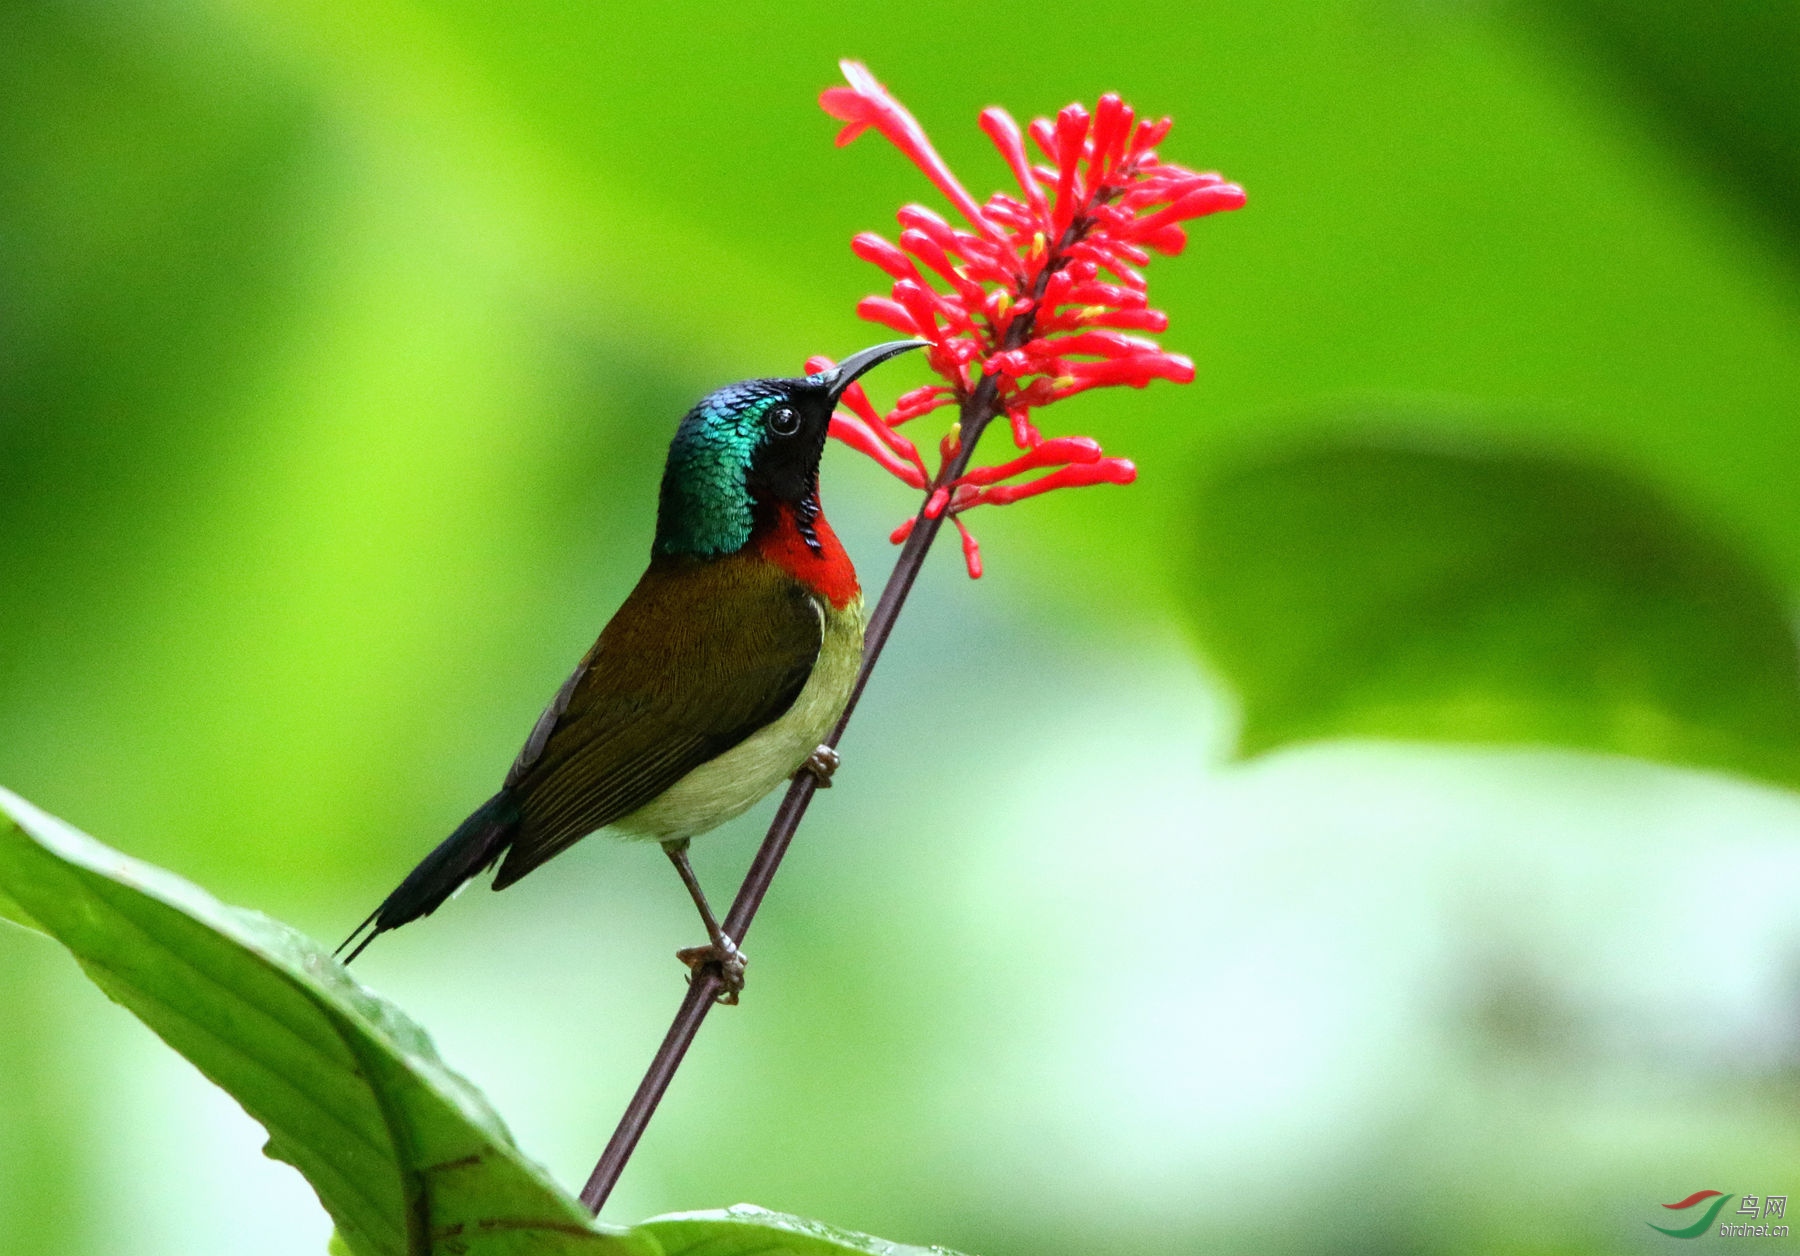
x=477, y=842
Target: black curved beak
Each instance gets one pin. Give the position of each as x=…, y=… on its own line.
x=839, y=377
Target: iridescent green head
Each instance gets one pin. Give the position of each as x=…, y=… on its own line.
x=751, y=443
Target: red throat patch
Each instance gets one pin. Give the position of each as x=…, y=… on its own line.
x=828, y=573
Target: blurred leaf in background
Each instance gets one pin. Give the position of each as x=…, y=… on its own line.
x=1388, y=589
x=1721, y=76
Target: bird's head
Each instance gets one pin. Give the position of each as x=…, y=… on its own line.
x=748, y=444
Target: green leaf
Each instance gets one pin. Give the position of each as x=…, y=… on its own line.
x=1721, y=73
x=405, y=1155
x=746, y=1230
x=1368, y=589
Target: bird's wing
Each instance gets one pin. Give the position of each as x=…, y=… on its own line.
x=697, y=659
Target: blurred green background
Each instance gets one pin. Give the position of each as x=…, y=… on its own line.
x=339, y=347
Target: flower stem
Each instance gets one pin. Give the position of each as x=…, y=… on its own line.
x=978, y=409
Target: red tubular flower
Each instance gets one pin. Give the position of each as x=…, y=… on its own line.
x=1041, y=298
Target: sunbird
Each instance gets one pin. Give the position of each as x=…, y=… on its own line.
x=715, y=680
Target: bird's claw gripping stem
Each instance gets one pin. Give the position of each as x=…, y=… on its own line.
x=723, y=956
x=821, y=764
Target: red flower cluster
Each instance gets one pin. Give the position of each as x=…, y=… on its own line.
x=1041, y=294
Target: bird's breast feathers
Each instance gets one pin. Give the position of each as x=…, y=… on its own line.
x=801, y=546
x=724, y=788
x=713, y=683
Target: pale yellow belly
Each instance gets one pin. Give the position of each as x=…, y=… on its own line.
x=731, y=784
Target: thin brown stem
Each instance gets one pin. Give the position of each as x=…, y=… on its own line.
x=979, y=408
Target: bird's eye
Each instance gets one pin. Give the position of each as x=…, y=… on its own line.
x=784, y=421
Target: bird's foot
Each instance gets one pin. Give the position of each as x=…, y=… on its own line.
x=822, y=763
x=722, y=956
